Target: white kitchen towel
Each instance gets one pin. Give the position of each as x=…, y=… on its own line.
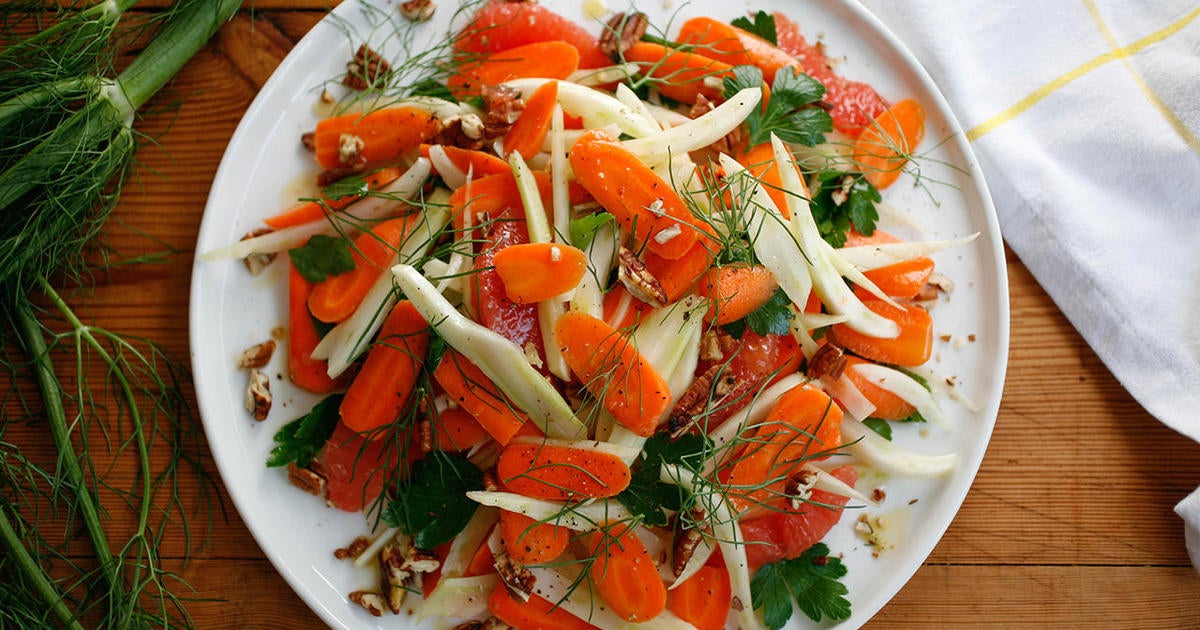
x=1085, y=115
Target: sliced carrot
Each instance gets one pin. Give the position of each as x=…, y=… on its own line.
x=678, y=276
x=735, y=46
x=735, y=291
x=644, y=204
x=703, y=599
x=625, y=575
x=549, y=59
x=336, y=297
x=310, y=211
x=760, y=161
x=380, y=391
x=561, y=473
x=527, y=134
x=903, y=279
x=477, y=163
x=611, y=368
x=803, y=423
x=467, y=385
x=622, y=310
x=530, y=542
x=533, y=272
x=499, y=25
x=682, y=75
x=492, y=197
x=882, y=149
x=911, y=348
x=385, y=133
x=456, y=430
x=483, y=562
x=535, y=614
x=888, y=406
x=305, y=371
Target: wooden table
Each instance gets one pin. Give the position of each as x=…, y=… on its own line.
x=1069, y=522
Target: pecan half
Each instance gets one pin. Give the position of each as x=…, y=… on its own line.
x=366, y=69
x=371, y=602
x=716, y=388
x=257, y=356
x=503, y=106
x=829, y=360
x=354, y=550
x=420, y=560
x=393, y=576
x=307, y=480
x=258, y=394
x=687, y=538
x=638, y=280
x=621, y=32
x=256, y=263
x=464, y=131
x=417, y=10
x=516, y=578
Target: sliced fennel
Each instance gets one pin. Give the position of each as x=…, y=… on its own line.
x=580, y=517
x=905, y=387
x=596, y=108
x=459, y=597
x=891, y=459
x=500, y=359
x=867, y=257
x=656, y=148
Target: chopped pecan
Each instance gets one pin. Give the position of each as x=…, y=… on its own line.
x=710, y=346
x=842, y=193
x=426, y=434
x=350, y=149
x=503, y=106
x=829, y=360
x=621, y=32
x=357, y=546
x=257, y=356
x=799, y=486
x=258, y=394
x=489, y=481
x=491, y=623
x=730, y=141
x=307, y=480
x=465, y=131
x=941, y=283
x=255, y=263
x=421, y=560
x=516, y=578
x=393, y=576
x=642, y=284
x=687, y=538
x=308, y=140
x=417, y=10
x=371, y=602
x=366, y=69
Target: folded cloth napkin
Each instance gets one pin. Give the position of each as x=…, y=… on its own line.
x=1085, y=116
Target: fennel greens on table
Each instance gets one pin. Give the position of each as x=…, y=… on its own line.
x=66, y=128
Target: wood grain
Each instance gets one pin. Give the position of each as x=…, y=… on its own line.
x=1069, y=522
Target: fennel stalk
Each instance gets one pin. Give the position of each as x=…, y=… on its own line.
x=68, y=138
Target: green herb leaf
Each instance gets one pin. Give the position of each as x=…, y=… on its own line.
x=298, y=441
x=772, y=318
x=763, y=26
x=844, y=200
x=432, y=88
x=583, y=230
x=431, y=506
x=790, y=113
x=351, y=186
x=812, y=581
x=650, y=498
x=322, y=256
x=880, y=426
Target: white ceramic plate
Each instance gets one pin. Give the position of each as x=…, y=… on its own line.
x=230, y=310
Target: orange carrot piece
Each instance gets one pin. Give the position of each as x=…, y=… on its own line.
x=530, y=542
x=610, y=367
x=618, y=298
x=335, y=298
x=888, y=406
x=310, y=211
x=382, y=387
x=760, y=161
x=682, y=74
x=305, y=371
x=550, y=59
x=483, y=562
x=678, y=276
x=903, y=279
x=735, y=46
x=533, y=272
x=477, y=163
x=456, y=430
x=385, y=133
x=494, y=196
x=911, y=348
x=500, y=24
x=703, y=599
x=535, y=614
x=527, y=134
x=803, y=422
x=473, y=391
x=561, y=473
x=735, y=291
x=882, y=149
x=625, y=575
x=629, y=189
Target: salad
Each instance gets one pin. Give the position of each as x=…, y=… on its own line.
x=607, y=327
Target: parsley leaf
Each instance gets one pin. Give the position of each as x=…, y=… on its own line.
x=811, y=580
x=844, y=200
x=763, y=26
x=650, y=498
x=431, y=87
x=583, y=230
x=352, y=186
x=299, y=440
x=880, y=426
x=790, y=113
x=772, y=318
x=431, y=506
x=322, y=256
